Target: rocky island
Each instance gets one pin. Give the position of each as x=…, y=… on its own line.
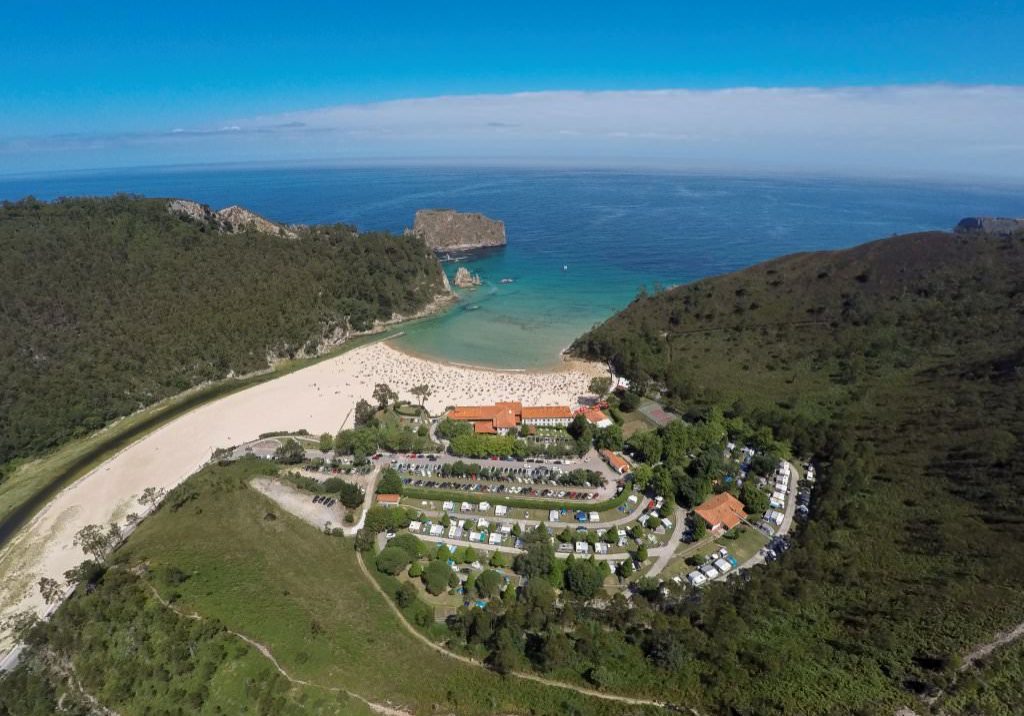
x=465, y=279
x=450, y=230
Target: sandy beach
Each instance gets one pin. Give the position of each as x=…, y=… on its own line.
x=319, y=398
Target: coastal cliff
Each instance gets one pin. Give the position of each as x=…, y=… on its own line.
x=230, y=220
x=449, y=230
x=997, y=226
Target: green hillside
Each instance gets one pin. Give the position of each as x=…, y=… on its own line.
x=113, y=304
x=900, y=364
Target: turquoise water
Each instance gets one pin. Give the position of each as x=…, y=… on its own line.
x=581, y=243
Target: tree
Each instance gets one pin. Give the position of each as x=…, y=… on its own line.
x=422, y=392
x=647, y=446
x=641, y=554
x=489, y=583
x=753, y=498
x=642, y=476
x=151, y=497
x=579, y=427
x=392, y=560
x=383, y=394
x=290, y=452
x=365, y=414
x=436, y=575
x=351, y=495
x=539, y=558
x=609, y=438
x=326, y=442
x=405, y=595
x=583, y=577
x=50, y=589
x=415, y=569
x=700, y=528
x=409, y=542
x=94, y=541
x=600, y=385
x=390, y=482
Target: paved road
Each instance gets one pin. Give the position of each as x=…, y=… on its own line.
x=533, y=523
x=664, y=554
x=787, y=519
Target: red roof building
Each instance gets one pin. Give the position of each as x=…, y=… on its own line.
x=502, y=418
x=721, y=511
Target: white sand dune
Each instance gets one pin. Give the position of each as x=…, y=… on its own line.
x=318, y=398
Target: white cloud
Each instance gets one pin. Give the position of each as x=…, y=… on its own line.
x=919, y=129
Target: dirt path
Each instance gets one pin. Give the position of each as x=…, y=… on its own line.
x=265, y=651
x=1001, y=639
x=473, y=662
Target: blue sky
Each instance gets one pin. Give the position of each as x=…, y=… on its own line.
x=100, y=83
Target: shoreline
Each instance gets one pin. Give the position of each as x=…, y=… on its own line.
x=316, y=396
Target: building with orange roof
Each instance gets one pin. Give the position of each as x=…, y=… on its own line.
x=616, y=462
x=388, y=499
x=502, y=418
x=721, y=511
x=596, y=417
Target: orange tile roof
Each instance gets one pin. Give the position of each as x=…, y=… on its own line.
x=484, y=427
x=593, y=415
x=388, y=498
x=547, y=411
x=721, y=509
x=505, y=418
x=616, y=461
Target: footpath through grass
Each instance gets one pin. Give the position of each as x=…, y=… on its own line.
x=277, y=580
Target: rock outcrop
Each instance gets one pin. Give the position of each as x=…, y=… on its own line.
x=449, y=230
x=465, y=279
x=230, y=220
x=990, y=225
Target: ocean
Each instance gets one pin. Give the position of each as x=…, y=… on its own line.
x=581, y=243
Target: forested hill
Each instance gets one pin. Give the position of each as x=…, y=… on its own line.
x=900, y=363
x=107, y=305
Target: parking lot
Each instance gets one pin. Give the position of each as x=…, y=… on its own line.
x=525, y=478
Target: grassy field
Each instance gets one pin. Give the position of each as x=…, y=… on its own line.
x=36, y=481
x=300, y=592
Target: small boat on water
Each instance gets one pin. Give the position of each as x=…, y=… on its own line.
x=565, y=267
x=506, y=280
x=472, y=307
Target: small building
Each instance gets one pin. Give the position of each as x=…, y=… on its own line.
x=475, y=536
x=466, y=507
x=436, y=530
x=615, y=462
x=505, y=417
x=454, y=532
x=596, y=417
x=485, y=506
x=506, y=528
x=582, y=548
x=594, y=517
x=696, y=578
x=388, y=499
x=500, y=510
x=721, y=511
x=722, y=566
x=415, y=526
x=482, y=524
x=565, y=547
x=601, y=548
x=553, y=516
x=494, y=538
x=448, y=506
